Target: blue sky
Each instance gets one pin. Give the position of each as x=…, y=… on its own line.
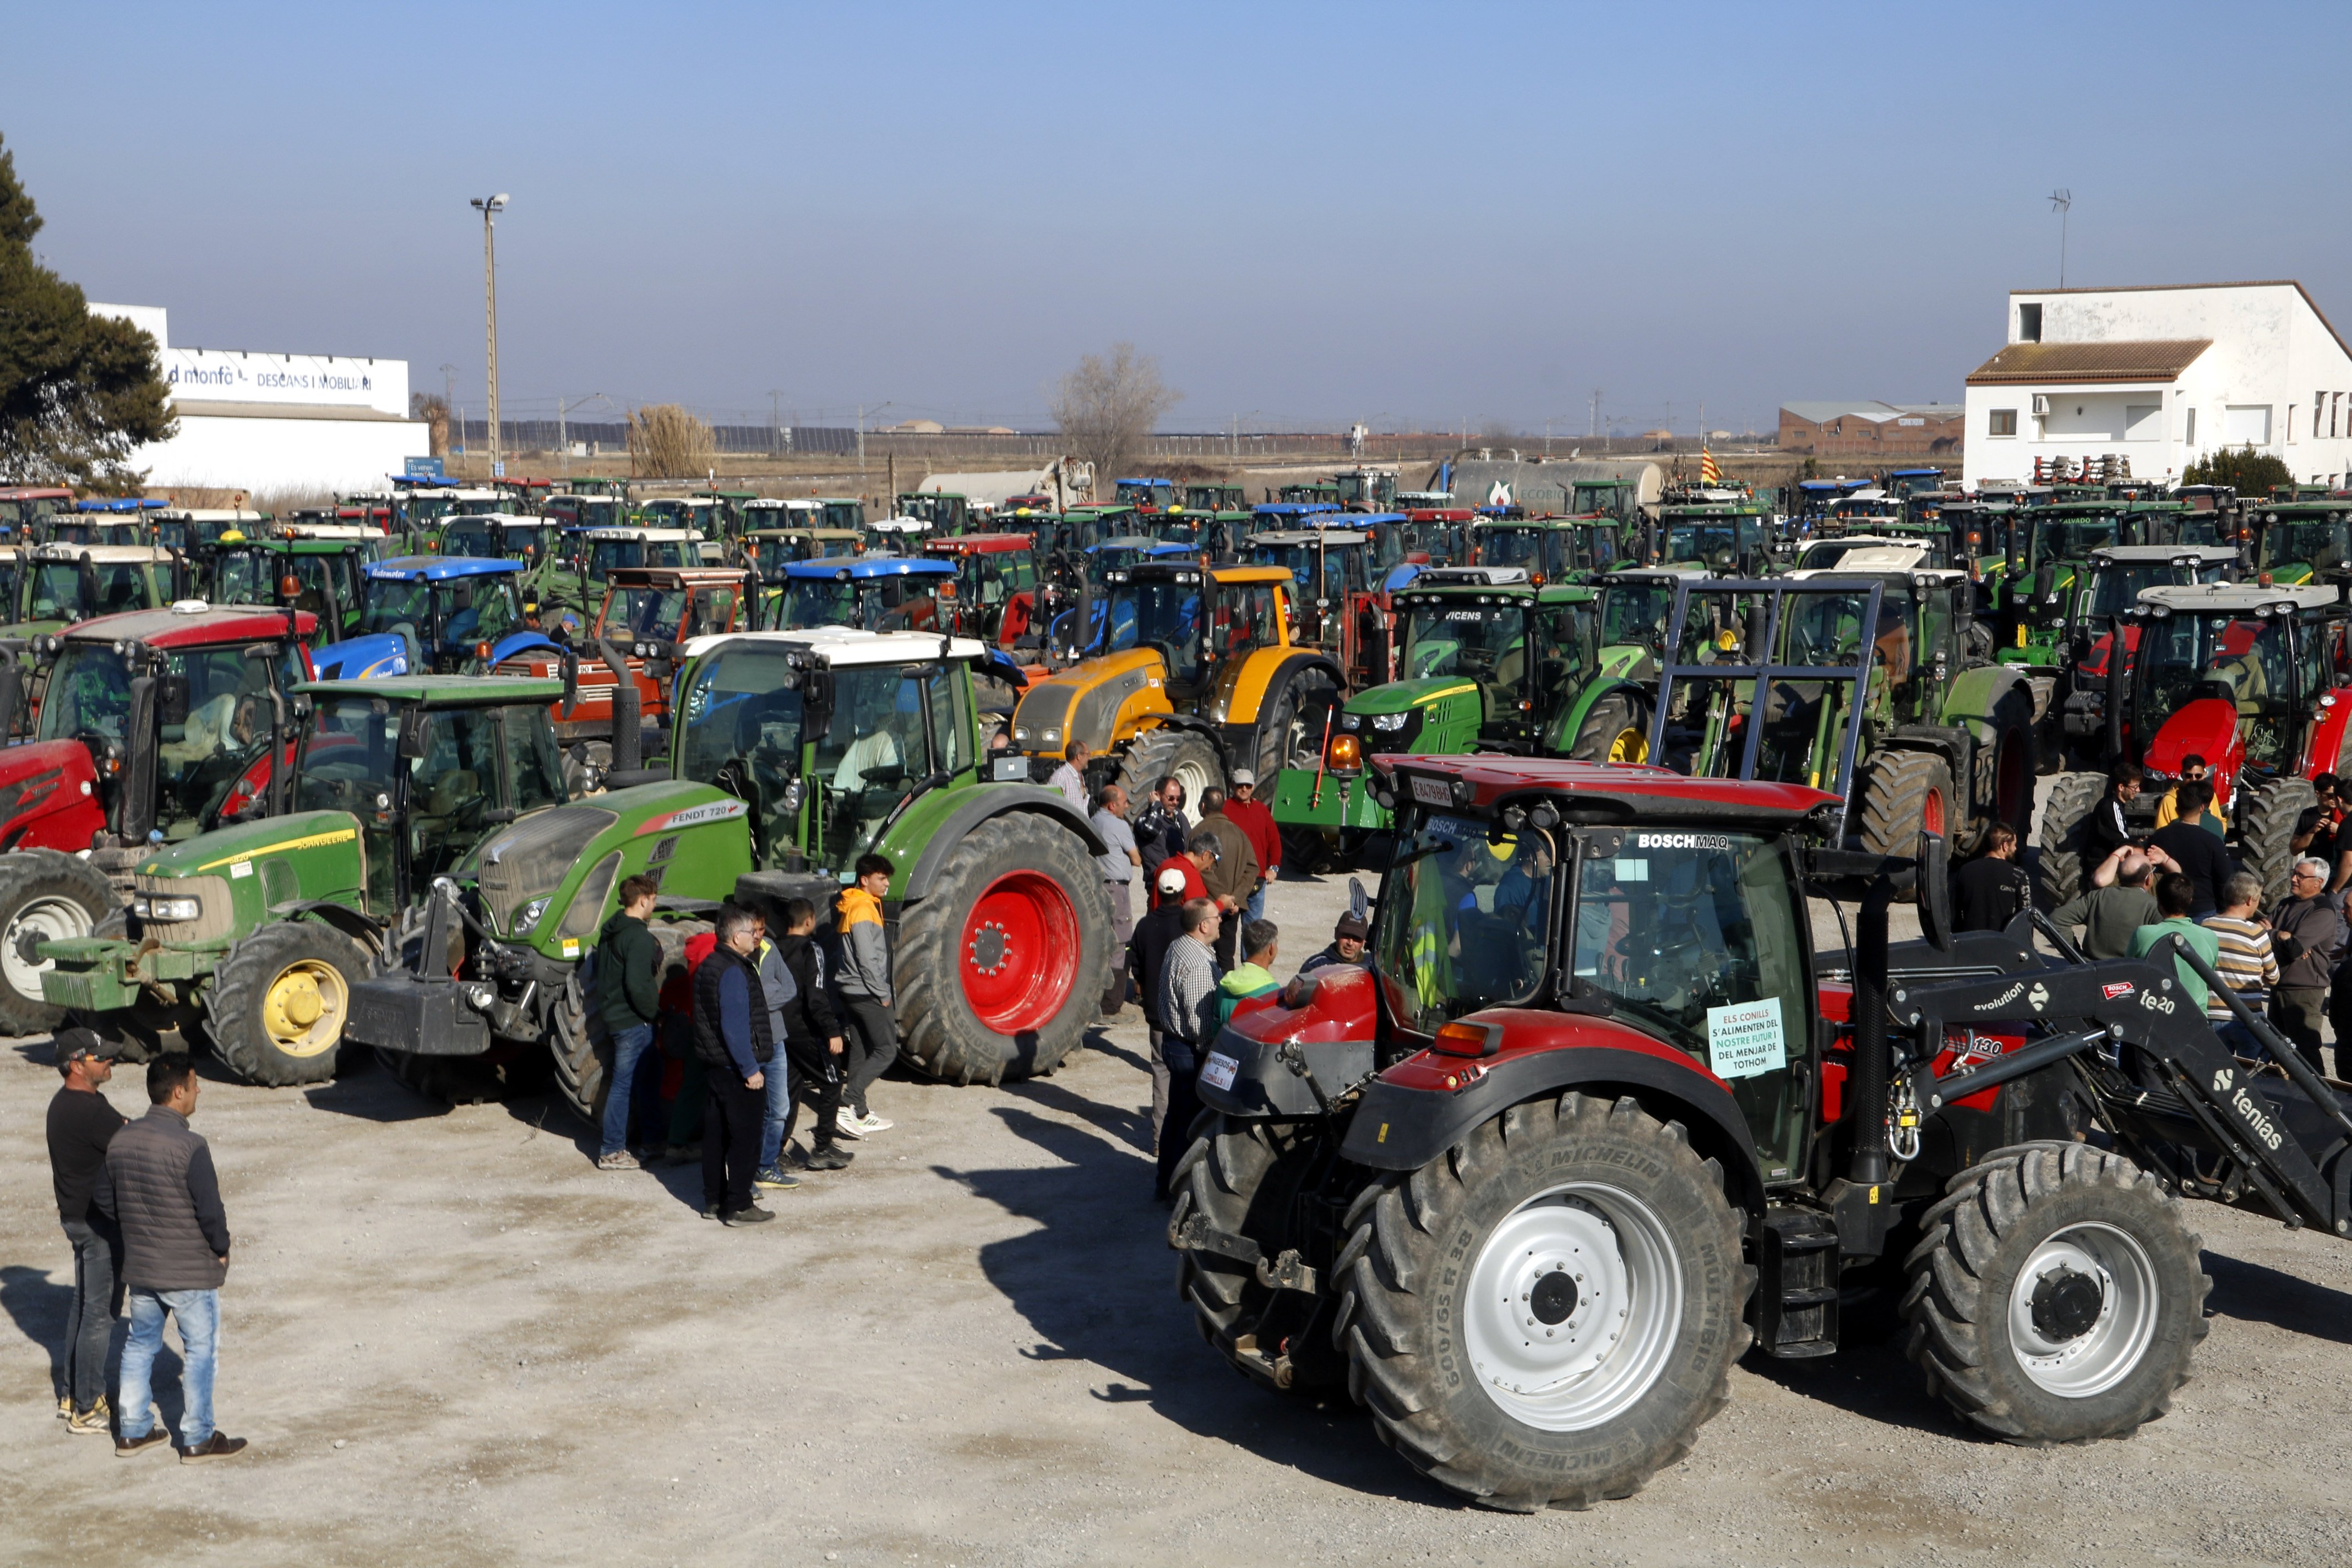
x=1421, y=217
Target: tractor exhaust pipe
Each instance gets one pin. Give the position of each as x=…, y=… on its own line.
x=1868, y=1165
x=628, y=734
x=2115, y=714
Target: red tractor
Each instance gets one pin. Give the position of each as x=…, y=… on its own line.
x=994, y=596
x=154, y=726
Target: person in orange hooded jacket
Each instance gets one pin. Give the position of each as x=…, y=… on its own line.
x=863, y=977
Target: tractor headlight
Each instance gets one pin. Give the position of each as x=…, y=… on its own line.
x=531, y=913
x=1351, y=722
x=177, y=907
x=1391, y=721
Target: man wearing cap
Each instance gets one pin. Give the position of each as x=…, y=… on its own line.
x=1232, y=873
x=1146, y=956
x=1120, y=861
x=1347, y=945
x=82, y=1124
x=1257, y=819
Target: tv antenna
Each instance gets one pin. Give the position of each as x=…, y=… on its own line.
x=2062, y=201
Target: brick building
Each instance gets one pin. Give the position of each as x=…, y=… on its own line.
x=1871, y=429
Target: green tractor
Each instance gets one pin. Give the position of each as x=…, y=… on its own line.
x=58, y=584
x=1733, y=536
x=820, y=746
x=2302, y=540
x=1490, y=661
x=1554, y=549
x=252, y=936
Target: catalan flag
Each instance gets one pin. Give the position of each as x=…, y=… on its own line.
x=1709, y=473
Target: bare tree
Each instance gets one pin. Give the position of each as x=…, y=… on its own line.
x=665, y=442
x=433, y=409
x=1107, y=406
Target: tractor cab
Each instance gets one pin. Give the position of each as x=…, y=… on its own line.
x=185, y=528
x=1862, y=511
x=1200, y=620
x=1905, y=483
x=995, y=596
x=1722, y=536
x=732, y=509
x=592, y=554
x=1215, y=498
x=1145, y=495
x=1366, y=490
x=318, y=577
x=113, y=520
x=940, y=514
x=1524, y=647
x=1616, y=500
x=525, y=496
x=1440, y=534
x=1287, y=514
x=872, y=593
x=1216, y=536
x=473, y=503
x=1636, y=604
x=842, y=511
x=1315, y=493
x=768, y=551
x=453, y=615
x=25, y=510
x=1824, y=553
x=2104, y=604
x=533, y=541
x=701, y=517
x=63, y=585
x=2302, y=540
x=583, y=511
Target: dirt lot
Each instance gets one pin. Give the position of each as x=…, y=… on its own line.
x=453, y=1342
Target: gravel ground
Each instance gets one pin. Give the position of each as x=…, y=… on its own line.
x=452, y=1342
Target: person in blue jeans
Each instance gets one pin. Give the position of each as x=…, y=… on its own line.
x=776, y=983
x=159, y=1186
x=628, y=1003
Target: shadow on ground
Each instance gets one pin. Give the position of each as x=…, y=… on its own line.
x=2261, y=1295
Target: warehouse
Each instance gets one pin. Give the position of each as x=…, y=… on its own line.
x=2144, y=381
x=264, y=423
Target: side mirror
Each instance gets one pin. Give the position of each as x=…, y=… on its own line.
x=816, y=704
x=172, y=699
x=1935, y=892
x=417, y=735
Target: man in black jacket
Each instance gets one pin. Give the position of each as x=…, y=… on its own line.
x=1992, y=890
x=1146, y=953
x=2192, y=844
x=159, y=1186
x=2105, y=829
x=731, y=1038
x=813, y=1037
x=629, y=1002
x=82, y=1124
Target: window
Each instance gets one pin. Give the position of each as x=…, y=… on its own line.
x=2189, y=429
x=2004, y=422
x=2028, y=324
x=2245, y=424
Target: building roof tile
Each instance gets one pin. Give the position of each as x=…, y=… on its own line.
x=2147, y=359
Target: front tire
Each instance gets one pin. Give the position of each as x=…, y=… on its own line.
x=581, y=1054
x=279, y=1004
x=2266, y=819
x=2057, y=1296
x=1904, y=793
x=45, y=896
x=2072, y=800
x=1004, y=963
x=1169, y=751
x=1547, y=1314
x=1613, y=733
x=1244, y=1178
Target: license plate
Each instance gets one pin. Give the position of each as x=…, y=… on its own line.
x=1431, y=791
x=1218, y=1071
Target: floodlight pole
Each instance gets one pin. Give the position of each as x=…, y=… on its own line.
x=489, y=207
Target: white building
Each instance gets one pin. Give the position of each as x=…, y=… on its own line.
x=2162, y=376
x=275, y=422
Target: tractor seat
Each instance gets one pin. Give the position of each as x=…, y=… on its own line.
x=452, y=791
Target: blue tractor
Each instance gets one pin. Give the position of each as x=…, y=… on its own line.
x=452, y=615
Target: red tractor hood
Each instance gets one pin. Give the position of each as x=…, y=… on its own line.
x=2206, y=728
x=49, y=796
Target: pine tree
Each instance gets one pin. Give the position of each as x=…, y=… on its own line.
x=79, y=392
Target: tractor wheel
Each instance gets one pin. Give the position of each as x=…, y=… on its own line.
x=1613, y=733
x=2072, y=800
x=1290, y=725
x=1245, y=1178
x=45, y=896
x=2266, y=819
x=1004, y=962
x=579, y=1051
x=2057, y=1295
x=1546, y=1314
x=1901, y=794
x=2002, y=789
x=1169, y=751
x=1305, y=851
x=277, y=1004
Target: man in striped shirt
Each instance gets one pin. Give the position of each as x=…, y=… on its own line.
x=2246, y=963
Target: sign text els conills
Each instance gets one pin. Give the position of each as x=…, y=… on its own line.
x=1744, y=1039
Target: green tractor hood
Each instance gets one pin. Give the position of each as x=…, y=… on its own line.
x=309, y=837
x=1400, y=696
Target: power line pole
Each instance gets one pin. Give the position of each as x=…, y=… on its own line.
x=489, y=207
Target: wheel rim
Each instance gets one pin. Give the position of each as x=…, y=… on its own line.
x=43, y=919
x=1630, y=746
x=1019, y=954
x=2069, y=1341
x=1932, y=817
x=1195, y=776
x=1573, y=1308
x=302, y=1011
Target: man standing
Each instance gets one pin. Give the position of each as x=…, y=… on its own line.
x=2108, y=915
x=2194, y=847
x=1232, y=873
x=2194, y=769
x=628, y=1001
x=1188, y=1018
x=1254, y=976
x=730, y=1036
x=82, y=1124
x=1147, y=958
x=1347, y=946
x=812, y=1043
x=1992, y=888
x=1070, y=778
x=1187, y=865
x=2304, y=934
x=1161, y=829
x=1120, y=861
x=159, y=1186
x=1257, y=819
x=781, y=991
x=864, y=984
x=2174, y=894
x=2104, y=830
x=2245, y=962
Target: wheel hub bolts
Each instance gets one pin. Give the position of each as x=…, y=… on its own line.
x=988, y=949
x=1553, y=1299
x=2066, y=1304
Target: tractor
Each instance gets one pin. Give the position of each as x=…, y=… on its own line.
x=942, y=515
x=61, y=584
x=819, y=747
x=252, y=935
x=454, y=615
x=1488, y=662
x=2110, y=590
x=2250, y=678
x=874, y=592
x=1730, y=536
x=1215, y=498
x=1553, y=549
x=1594, y=1119
x=995, y=597
x=26, y=509
x=1190, y=672
x=1342, y=602
x=187, y=530
x=589, y=556
x=2304, y=541
x=1146, y=495
x=1868, y=691
x=322, y=578
x=1367, y=488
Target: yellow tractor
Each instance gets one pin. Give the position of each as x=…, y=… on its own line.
x=1190, y=671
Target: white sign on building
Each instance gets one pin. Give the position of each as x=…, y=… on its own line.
x=2161, y=376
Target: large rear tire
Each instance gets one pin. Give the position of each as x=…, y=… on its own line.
x=279, y=1004
x=1904, y=793
x=45, y=896
x=2266, y=819
x=2072, y=800
x=2004, y=769
x=1167, y=752
x=2057, y=1296
x=1291, y=726
x=1244, y=1178
x=1004, y=963
x=1477, y=1293
x=1613, y=733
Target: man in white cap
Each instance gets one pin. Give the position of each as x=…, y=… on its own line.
x=1254, y=818
x=1146, y=954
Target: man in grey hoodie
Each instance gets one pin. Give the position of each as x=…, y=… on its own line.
x=1188, y=1014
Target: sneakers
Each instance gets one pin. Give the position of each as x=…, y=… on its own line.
x=65, y=1407
x=869, y=1122
x=156, y=1437
x=829, y=1159
x=776, y=1179
x=218, y=1446
x=845, y=1125
x=683, y=1155
x=618, y=1160
x=94, y=1422
x=852, y=1126
x=755, y=1215
x=710, y=1211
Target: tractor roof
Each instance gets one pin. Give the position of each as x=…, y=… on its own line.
x=844, y=645
x=444, y=690
x=1230, y=575
x=800, y=533
x=101, y=554
x=1139, y=542
x=210, y=514
x=1294, y=508
x=2163, y=555
x=497, y=520
x=1662, y=571
x=436, y=568
x=350, y=530
x=681, y=577
x=1329, y=538
x=1899, y=572
x=1471, y=577
x=1610, y=790
x=643, y=535
x=773, y=504
x=1422, y=591
x=474, y=494
x=121, y=503
x=192, y=623
x=865, y=568
x=2235, y=598
x=1872, y=558
x=278, y=545
x=979, y=543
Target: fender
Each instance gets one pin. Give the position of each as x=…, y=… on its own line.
x=2330, y=736
x=1560, y=735
x=1333, y=1032
x=974, y=806
x=1975, y=694
x=1410, y=1115
x=361, y=927
x=361, y=658
x=513, y=643
x=1262, y=680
